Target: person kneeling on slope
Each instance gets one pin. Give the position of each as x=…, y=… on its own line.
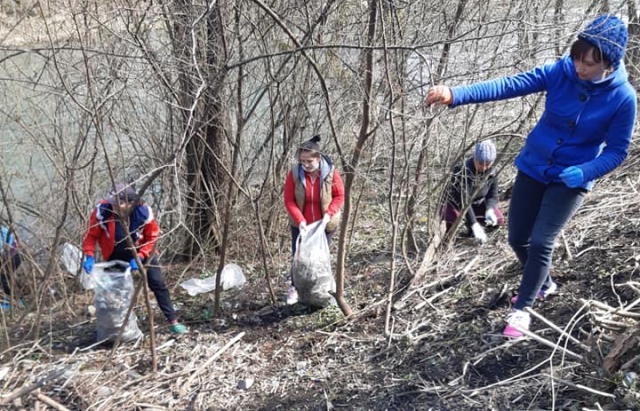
x=477, y=176
x=106, y=229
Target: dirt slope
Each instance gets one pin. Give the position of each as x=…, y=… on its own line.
x=446, y=351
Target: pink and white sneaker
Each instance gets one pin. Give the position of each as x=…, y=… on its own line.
x=292, y=296
x=517, y=321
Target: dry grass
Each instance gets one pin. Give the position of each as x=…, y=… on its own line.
x=445, y=352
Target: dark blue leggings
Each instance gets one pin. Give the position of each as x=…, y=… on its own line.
x=156, y=283
x=537, y=214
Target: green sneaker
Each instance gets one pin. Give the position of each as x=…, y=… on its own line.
x=178, y=328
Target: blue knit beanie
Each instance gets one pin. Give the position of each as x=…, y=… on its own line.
x=485, y=152
x=608, y=33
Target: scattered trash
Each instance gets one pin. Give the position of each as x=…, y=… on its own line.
x=71, y=258
x=220, y=323
x=232, y=277
x=629, y=379
x=133, y=374
x=197, y=286
x=3, y=372
x=245, y=384
x=301, y=368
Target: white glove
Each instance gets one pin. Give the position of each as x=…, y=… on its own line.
x=490, y=218
x=326, y=218
x=302, y=227
x=478, y=232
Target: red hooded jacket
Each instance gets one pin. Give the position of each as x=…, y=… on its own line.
x=102, y=228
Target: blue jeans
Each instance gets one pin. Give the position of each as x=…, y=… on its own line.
x=537, y=214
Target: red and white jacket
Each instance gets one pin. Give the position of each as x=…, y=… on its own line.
x=142, y=225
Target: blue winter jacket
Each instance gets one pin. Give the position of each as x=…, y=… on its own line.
x=585, y=123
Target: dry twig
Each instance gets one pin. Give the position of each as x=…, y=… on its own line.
x=50, y=402
x=30, y=388
x=185, y=387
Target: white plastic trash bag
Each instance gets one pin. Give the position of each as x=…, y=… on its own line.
x=311, y=268
x=197, y=286
x=232, y=277
x=113, y=285
x=72, y=261
x=71, y=258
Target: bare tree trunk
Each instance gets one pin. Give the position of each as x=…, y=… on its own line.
x=557, y=19
x=633, y=49
x=216, y=29
x=206, y=143
x=394, y=206
x=350, y=169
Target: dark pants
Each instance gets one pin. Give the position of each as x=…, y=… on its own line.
x=295, y=232
x=156, y=284
x=537, y=214
x=450, y=214
x=8, y=265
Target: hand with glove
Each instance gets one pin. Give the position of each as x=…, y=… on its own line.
x=88, y=264
x=478, y=232
x=490, y=218
x=572, y=176
x=302, y=227
x=439, y=94
x=133, y=265
x=326, y=218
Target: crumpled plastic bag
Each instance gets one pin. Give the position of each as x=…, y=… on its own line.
x=72, y=260
x=311, y=268
x=232, y=277
x=113, y=285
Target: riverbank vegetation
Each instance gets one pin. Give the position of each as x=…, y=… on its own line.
x=202, y=104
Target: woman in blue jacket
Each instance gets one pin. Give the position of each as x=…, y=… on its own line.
x=583, y=134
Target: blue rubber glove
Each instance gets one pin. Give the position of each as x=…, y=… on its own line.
x=133, y=265
x=88, y=264
x=572, y=176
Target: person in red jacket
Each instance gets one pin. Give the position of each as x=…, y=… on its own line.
x=106, y=229
x=313, y=191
